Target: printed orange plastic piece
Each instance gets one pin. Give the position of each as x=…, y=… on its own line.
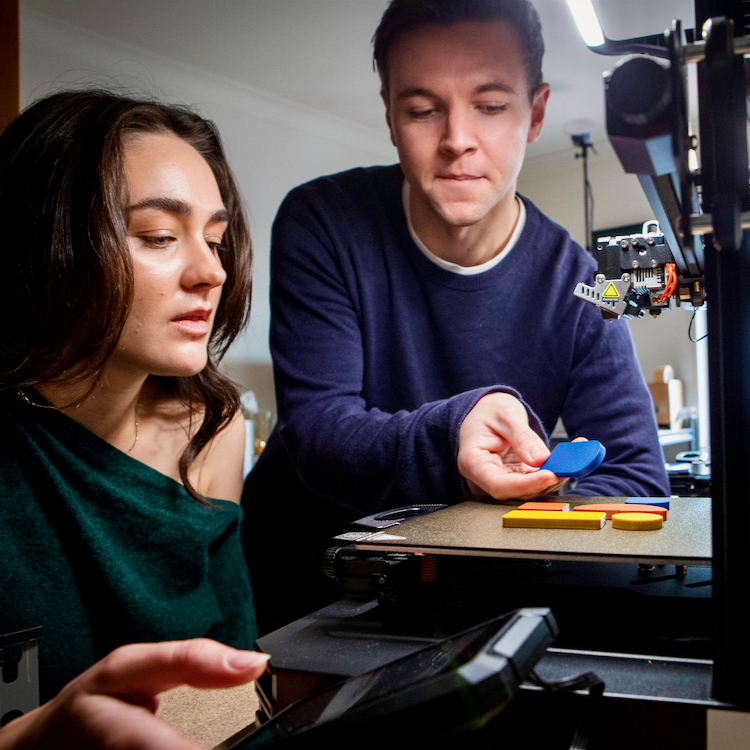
x=612, y=508
x=544, y=506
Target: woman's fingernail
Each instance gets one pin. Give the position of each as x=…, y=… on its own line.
x=246, y=659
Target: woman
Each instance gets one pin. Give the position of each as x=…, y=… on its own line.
x=127, y=273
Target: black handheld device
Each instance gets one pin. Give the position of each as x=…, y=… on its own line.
x=454, y=686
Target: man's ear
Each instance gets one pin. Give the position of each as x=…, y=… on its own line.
x=384, y=97
x=538, y=110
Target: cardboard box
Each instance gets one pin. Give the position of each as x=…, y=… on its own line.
x=666, y=393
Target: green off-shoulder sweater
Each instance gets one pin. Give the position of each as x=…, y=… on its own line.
x=101, y=550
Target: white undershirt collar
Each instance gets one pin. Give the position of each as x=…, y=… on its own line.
x=455, y=267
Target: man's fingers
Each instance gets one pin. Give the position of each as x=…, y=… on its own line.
x=499, y=420
x=149, y=668
x=512, y=486
x=529, y=447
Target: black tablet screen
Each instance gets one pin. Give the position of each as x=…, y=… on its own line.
x=337, y=700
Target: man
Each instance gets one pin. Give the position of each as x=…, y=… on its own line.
x=424, y=331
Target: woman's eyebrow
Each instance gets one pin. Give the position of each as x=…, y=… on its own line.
x=176, y=206
x=171, y=205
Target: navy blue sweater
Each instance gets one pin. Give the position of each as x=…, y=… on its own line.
x=379, y=354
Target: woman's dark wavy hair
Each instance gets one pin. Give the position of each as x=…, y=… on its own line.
x=402, y=16
x=65, y=263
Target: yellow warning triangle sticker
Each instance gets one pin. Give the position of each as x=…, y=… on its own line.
x=611, y=292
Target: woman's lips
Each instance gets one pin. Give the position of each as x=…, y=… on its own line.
x=194, y=322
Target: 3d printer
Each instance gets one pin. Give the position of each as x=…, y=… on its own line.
x=702, y=214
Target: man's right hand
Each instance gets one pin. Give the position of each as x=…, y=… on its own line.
x=499, y=454
x=111, y=705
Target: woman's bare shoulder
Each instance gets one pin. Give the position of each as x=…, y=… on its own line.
x=220, y=464
x=167, y=426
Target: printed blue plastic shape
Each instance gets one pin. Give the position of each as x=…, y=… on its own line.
x=661, y=502
x=575, y=459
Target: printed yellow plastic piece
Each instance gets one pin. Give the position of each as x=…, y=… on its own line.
x=553, y=519
x=636, y=521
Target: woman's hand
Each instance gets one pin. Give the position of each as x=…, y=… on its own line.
x=112, y=704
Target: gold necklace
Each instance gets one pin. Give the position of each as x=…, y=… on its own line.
x=32, y=403
x=49, y=406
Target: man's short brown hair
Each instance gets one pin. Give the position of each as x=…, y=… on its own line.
x=403, y=16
